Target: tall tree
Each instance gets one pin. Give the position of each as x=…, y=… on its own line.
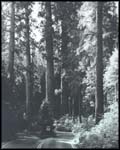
x=99, y=65
x=49, y=50
x=68, y=43
x=28, y=61
x=87, y=47
x=12, y=46
x=64, y=53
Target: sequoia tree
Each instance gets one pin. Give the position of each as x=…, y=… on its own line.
x=28, y=63
x=49, y=50
x=99, y=65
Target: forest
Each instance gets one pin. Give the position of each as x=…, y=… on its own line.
x=59, y=68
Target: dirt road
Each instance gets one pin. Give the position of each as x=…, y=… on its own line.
x=62, y=140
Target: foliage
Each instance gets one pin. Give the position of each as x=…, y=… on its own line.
x=86, y=125
x=103, y=135
x=45, y=117
x=87, y=50
x=111, y=71
x=110, y=28
x=87, y=45
x=75, y=62
x=65, y=123
x=111, y=76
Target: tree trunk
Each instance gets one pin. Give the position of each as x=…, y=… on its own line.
x=49, y=49
x=116, y=91
x=69, y=110
x=99, y=66
x=28, y=62
x=73, y=111
x=80, y=106
x=63, y=61
x=46, y=85
x=12, y=47
x=32, y=74
x=61, y=96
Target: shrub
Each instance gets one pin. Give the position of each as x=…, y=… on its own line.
x=43, y=122
x=65, y=124
x=45, y=118
x=87, y=124
x=111, y=78
x=103, y=135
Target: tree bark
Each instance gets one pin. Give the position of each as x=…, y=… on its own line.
x=64, y=55
x=80, y=105
x=28, y=63
x=73, y=109
x=50, y=65
x=99, y=66
x=12, y=47
x=116, y=91
x=61, y=96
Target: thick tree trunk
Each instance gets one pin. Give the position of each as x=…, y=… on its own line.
x=12, y=47
x=50, y=65
x=99, y=67
x=63, y=60
x=28, y=62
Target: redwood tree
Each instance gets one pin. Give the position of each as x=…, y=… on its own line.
x=99, y=65
x=28, y=62
x=49, y=50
